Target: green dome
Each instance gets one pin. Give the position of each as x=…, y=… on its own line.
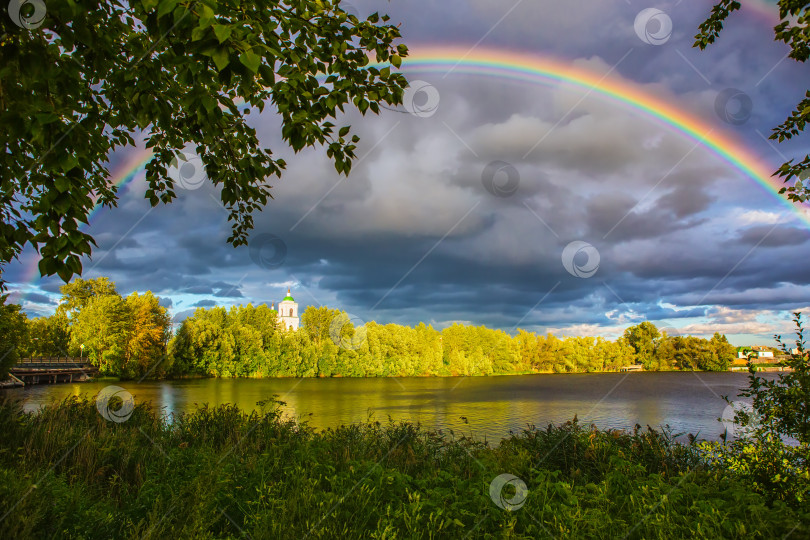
x=288, y=297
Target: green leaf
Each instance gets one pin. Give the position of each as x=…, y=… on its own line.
x=46, y=118
x=396, y=60
x=199, y=33
x=62, y=184
x=220, y=57
x=222, y=32
x=344, y=131
x=250, y=60
x=68, y=161
x=207, y=16
x=64, y=272
x=166, y=6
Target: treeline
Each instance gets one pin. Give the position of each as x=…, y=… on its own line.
x=245, y=341
x=124, y=337
x=130, y=337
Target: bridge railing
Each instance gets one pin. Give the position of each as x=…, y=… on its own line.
x=53, y=360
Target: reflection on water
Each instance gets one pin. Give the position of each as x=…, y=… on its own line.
x=484, y=406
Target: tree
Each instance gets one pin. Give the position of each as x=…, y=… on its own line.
x=148, y=334
x=317, y=322
x=642, y=338
x=13, y=334
x=91, y=74
x=77, y=293
x=103, y=327
x=48, y=336
x=793, y=29
x=724, y=352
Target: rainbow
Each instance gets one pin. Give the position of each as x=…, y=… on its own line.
x=539, y=69
x=766, y=9
x=545, y=70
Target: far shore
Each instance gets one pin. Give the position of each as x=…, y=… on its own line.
x=11, y=384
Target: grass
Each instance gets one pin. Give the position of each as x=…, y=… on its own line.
x=220, y=472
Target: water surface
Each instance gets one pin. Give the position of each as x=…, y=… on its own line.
x=487, y=407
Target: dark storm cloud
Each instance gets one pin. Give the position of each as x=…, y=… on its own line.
x=198, y=289
x=40, y=299
x=413, y=234
x=229, y=292
x=50, y=284
x=769, y=236
x=686, y=199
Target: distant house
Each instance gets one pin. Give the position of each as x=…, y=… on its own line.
x=762, y=351
x=633, y=367
x=757, y=351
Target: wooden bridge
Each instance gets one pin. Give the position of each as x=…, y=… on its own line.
x=49, y=370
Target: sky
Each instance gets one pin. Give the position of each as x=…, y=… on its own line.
x=510, y=203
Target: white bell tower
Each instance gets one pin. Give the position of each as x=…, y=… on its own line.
x=288, y=312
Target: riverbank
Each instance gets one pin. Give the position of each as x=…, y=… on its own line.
x=220, y=472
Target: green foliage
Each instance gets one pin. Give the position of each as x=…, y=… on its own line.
x=77, y=293
x=100, y=333
x=228, y=343
x=656, y=351
x=223, y=473
x=124, y=337
x=793, y=29
x=13, y=334
x=642, y=338
x=693, y=353
x=782, y=405
x=48, y=336
x=779, y=414
x=97, y=74
x=328, y=345
x=130, y=337
x=148, y=335
x=785, y=402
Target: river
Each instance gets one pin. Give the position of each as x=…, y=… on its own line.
x=486, y=407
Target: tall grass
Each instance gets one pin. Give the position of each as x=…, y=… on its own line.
x=225, y=473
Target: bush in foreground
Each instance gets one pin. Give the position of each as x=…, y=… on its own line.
x=223, y=473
